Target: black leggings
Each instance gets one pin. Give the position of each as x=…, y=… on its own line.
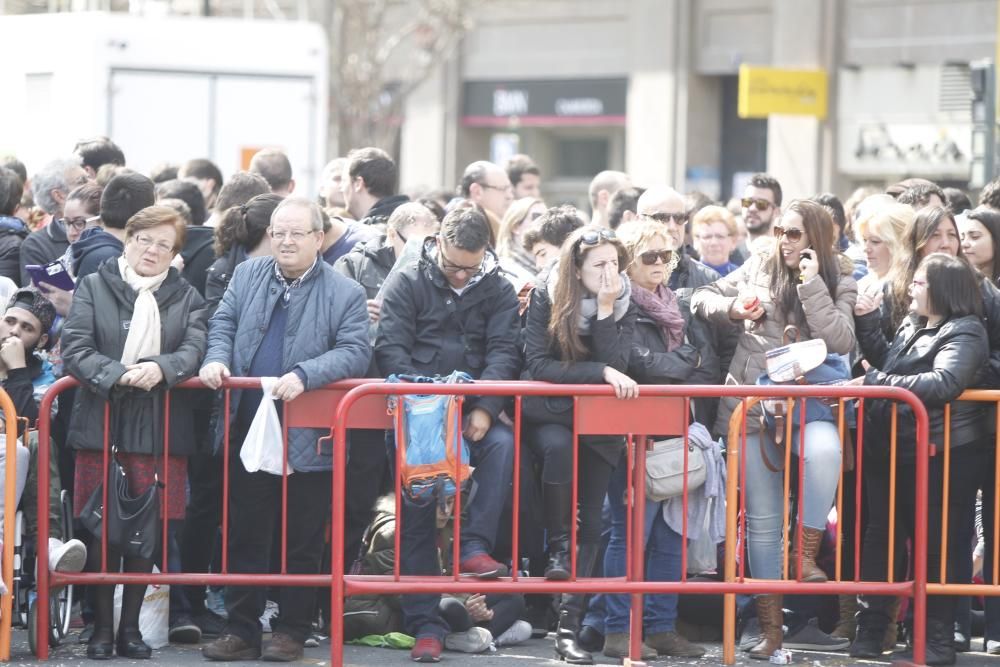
x=552, y=444
x=506, y=609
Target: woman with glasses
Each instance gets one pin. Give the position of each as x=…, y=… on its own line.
x=669, y=348
x=804, y=284
x=940, y=350
x=714, y=232
x=135, y=330
x=580, y=326
x=522, y=217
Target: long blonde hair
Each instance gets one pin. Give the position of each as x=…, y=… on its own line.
x=516, y=214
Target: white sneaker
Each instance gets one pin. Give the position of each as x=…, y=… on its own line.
x=473, y=640
x=515, y=634
x=270, y=611
x=68, y=557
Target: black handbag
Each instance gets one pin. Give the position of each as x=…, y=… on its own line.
x=133, y=521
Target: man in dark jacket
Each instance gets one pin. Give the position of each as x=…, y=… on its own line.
x=51, y=188
x=454, y=310
x=290, y=316
x=12, y=230
x=125, y=195
x=369, y=186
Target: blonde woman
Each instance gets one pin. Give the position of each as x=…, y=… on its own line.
x=522, y=216
x=714, y=232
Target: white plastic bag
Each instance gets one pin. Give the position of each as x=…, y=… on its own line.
x=154, y=616
x=703, y=552
x=263, y=449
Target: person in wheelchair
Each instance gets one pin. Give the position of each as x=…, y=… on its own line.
x=25, y=375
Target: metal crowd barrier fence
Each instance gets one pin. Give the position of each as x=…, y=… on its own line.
x=659, y=410
x=9, y=510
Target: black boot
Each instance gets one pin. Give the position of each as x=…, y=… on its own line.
x=571, y=612
x=558, y=502
x=940, y=632
x=873, y=619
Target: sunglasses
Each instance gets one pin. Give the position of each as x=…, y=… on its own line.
x=596, y=237
x=664, y=218
x=760, y=204
x=793, y=235
x=650, y=257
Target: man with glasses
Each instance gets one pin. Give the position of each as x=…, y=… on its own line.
x=761, y=207
x=487, y=186
x=287, y=315
x=454, y=310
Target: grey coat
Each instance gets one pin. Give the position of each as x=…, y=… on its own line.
x=326, y=338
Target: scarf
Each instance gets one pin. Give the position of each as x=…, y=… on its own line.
x=588, y=304
x=662, y=308
x=143, y=338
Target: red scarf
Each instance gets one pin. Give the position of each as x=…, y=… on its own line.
x=662, y=308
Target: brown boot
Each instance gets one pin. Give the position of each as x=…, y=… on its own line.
x=770, y=617
x=847, y=624
x=892, y=630
x=811, y=573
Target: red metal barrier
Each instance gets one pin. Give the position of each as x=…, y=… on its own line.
x=660, y=410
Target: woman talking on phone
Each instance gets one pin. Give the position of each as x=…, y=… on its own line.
x=802, y=282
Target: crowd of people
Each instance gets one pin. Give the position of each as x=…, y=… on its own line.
x=184, y=273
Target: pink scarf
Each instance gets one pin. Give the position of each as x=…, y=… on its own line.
x=662, y=308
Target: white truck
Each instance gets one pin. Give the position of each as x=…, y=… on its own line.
x=165, y=89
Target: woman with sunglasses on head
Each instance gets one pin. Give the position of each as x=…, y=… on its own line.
x=940, y=350
x=802, y=283
x=670, y=347
x=580, y=326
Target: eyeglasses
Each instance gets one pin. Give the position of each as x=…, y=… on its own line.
x=295, y=235
x=664, y=218
x=792, y=234
x=760, y=204
x=146, y=242
x=94, y=219
x=650, y=257
x=592, y=238
x=449, y=267
x=79, y=224
x=918, y=283
x=500, y=188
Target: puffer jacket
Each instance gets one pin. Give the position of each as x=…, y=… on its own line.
x=326, y=338
x=427, y=329
x=829, y=318
x=935, y=363
x=368, y=264
x=93, y=339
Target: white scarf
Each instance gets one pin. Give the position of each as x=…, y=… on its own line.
x=143, y=338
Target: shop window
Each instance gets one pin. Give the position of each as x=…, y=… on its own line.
x=582, y=158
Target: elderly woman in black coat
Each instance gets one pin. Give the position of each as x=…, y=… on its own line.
x=135, y=330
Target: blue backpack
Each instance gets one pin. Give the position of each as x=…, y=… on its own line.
x=428, y=431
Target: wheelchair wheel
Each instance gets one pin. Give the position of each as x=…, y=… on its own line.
x=54, y=637
x=63, y=600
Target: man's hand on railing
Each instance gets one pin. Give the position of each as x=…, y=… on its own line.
x=213, y=374
x=288, y=387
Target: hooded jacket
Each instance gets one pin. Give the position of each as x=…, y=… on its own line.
x=91, y=249
x=93, y=339
x=935, y=363
x=43, y=246
x=12, y=233
x=830, y=317
x=427, y=329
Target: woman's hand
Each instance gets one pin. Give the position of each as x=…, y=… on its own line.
x=868, y=302
x=476, y=606
x=808, y=265
x=145, y=375
x=611, y=287
x=625, y=387
x=746, y=307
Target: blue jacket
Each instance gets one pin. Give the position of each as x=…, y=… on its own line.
x=326, y=338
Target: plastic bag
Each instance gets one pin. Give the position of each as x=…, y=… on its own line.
x=702, y=552
x=154, y=616
x=263, y=449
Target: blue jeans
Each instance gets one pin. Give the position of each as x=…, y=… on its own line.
x=663, y=562
x=493, y=458
x=765, y=492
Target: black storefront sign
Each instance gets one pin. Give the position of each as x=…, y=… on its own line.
x=568, y=101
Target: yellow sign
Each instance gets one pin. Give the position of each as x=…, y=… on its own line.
x=768, y=90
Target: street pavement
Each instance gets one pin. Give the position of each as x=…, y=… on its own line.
x=533, y=652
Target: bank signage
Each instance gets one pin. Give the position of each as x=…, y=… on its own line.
x=565, y=102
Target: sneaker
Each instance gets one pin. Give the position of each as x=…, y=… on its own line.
x=230, y=647
x=750, y=636
x=515, y=634
x=962, y=642
x=473, y=640
x=672, y=644
x=215, y=600
x=810, y=638
x=427, y=649
x=482, y=566
x=211, y=624
x=184, y=631
x=68, y=557
x=270, y=611
x=993, y=647
x=312, y=641
x=282, y=648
